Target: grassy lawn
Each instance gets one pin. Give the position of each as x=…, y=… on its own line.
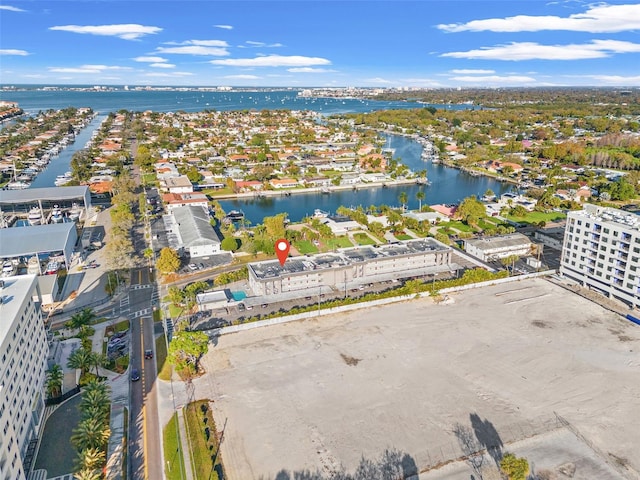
x=174, y=465
x=149, y=179
x=164, y=368
x=403, y=236
x=338, y=242
x=203, y=439
x=305, y=247
x=175, y=310
x=363, y=239
x=537, y=217
x=213, y=192
x=461, y=227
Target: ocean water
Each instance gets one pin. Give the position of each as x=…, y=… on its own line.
x=32, y=101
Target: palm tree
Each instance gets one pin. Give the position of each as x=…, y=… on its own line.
x=403, y=199
x=90, y=459
x=98, y=360
x=87, y=474
x=90, y=433
x=81, y=359
x=54, y=381
x=420, y=195
x=97, y=403
x=83, y=317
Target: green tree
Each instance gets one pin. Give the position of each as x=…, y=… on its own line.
x=143, y=157
x=119, y=252
x=275, y=228
x=402, y=197
x=420, y=196
x=471, y=209
x=87, y=474
x=90, y=433
x=84, y=317
x=519, y=211
x=90, y=460
x=80, y=359
x=98, y=360
x=515, y=468
x=186, y=350
x=229, y=244
x=176, y=295
x=54, y=381
x=168, y=261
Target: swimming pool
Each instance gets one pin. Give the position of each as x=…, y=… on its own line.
x=238, y=296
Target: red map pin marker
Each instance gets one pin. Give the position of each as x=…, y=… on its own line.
x=282, y=250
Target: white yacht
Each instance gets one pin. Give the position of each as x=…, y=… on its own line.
x=56, y=214
x=75, y=212
x=35, y=216
x=33, y=266
x=317, y=213
x=62, y=179
x=9, y=269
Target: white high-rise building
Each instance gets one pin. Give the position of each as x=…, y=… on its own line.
x=601, y=250
x=23, y=354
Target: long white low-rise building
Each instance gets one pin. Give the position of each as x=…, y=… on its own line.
x=23, y=354
x=350, y=267
x=501, y=246
x=189, y=230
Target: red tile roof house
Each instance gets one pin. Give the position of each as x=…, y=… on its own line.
x=447, y=211
x=246, y=185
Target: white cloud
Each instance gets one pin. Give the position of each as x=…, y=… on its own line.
x=216, y=48
x=310, y=70
x=149, y=59
x=242, y=77
x=13, y=51
x=601, y=18
x=127, y=31
x=251, y=43
x=534, y=51
x=470, y=71
x=224, y=27
x=87, y=69
x=495, y=79
x=194, y=50
x=11, y=9
x=168, y=75
x=162, y=65
x=273, y=61
x=202, y=43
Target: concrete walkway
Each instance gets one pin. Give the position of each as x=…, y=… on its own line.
x=184, y=441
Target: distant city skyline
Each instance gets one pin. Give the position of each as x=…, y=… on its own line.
x=425, y=44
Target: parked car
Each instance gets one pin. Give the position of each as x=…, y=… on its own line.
x=193, y=267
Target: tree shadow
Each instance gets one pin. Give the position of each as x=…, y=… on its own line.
x=488, y=436
x=391, y=465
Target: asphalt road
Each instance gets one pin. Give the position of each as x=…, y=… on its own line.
x=144, y=430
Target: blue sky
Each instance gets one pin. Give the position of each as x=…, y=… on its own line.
x=320, y=43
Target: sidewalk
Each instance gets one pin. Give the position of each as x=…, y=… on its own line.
x=184, y=441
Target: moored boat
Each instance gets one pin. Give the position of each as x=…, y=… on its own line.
x=35, y=216
x=56, y=214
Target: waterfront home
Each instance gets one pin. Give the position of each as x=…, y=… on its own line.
x=246, y=185
x=189, y=231
x=426, y=217
x=284, y=183
x=180, y=184
x=340, y=224
x=317, y=181
x=372, y=177
x=174, y=200
x=446, y=210
x=374, y=162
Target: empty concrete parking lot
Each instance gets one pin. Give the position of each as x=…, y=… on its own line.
x=501, y=360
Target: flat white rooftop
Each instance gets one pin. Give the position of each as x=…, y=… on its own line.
x=15, y=290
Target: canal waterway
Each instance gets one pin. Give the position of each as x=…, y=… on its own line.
x=448, y=185
x=60, y=163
